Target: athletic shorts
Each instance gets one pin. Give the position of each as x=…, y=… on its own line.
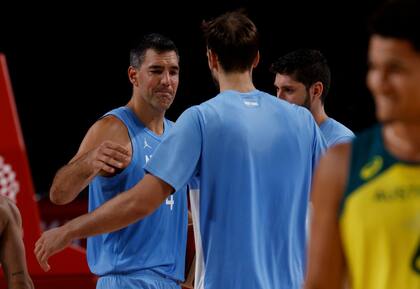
x=146, y=280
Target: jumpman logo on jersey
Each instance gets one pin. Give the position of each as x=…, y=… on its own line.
x=146, y=145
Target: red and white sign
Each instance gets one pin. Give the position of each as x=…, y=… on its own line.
x=69, y=267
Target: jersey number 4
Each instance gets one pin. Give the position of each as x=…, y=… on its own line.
x=170, y=201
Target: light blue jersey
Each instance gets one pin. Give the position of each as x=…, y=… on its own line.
x=156, y=243
x=254, y=156
x=335, y=132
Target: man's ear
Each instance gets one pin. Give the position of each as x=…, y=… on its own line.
x=212, y=59
x=316, y=90
x=256, y=60
x=132, y=73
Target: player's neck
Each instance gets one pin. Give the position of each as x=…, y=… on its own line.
x=241, y=82
x=403, y=140
x=151, y=118
x=319, y=114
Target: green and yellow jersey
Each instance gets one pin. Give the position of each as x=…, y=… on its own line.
x=380, y=217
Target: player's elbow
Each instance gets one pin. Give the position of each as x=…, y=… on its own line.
x=57, y=196
x=140, y=211
x=140, y=208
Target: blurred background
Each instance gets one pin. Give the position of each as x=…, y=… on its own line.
x=68, y=61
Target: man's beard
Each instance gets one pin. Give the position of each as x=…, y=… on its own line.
x=307, y=101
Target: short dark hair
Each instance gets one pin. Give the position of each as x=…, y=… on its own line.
x=154, y=41
x=306, y=66
x=398, y=19
x=233, y=37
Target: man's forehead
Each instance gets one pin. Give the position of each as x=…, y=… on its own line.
x=167, y=58
x=286, y=79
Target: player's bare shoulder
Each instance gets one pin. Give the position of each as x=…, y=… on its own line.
x=338, y=154
x=108, y=128
x=332, y=173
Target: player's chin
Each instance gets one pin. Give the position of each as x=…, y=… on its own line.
x=386, y=111
x=165, y=103
x=387, y=116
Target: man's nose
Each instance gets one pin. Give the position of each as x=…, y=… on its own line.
x=166, y=78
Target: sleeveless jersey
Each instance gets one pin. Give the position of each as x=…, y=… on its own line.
x=158, y=242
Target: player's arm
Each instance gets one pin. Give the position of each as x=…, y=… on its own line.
x=117, y=213
x=105, y=149
x=12, y=250
x=326, y=263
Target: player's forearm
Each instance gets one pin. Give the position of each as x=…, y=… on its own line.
x=20, y=280
x=70, y=180
x=119, y=212
x=13, y=258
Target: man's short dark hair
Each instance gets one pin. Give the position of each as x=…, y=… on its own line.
x=233, y=37
x=398, y=19
x=306, y=66
x=154, y=41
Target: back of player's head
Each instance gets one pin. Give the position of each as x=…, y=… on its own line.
x=233, y=37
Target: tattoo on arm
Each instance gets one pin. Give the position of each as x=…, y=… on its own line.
x=14, y=274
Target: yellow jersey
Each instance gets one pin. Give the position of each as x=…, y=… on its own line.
x=380, y=217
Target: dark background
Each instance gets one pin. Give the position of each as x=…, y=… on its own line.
x=68, y=61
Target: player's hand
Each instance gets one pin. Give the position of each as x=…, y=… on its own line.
x=108, y=158
x=50, y=242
